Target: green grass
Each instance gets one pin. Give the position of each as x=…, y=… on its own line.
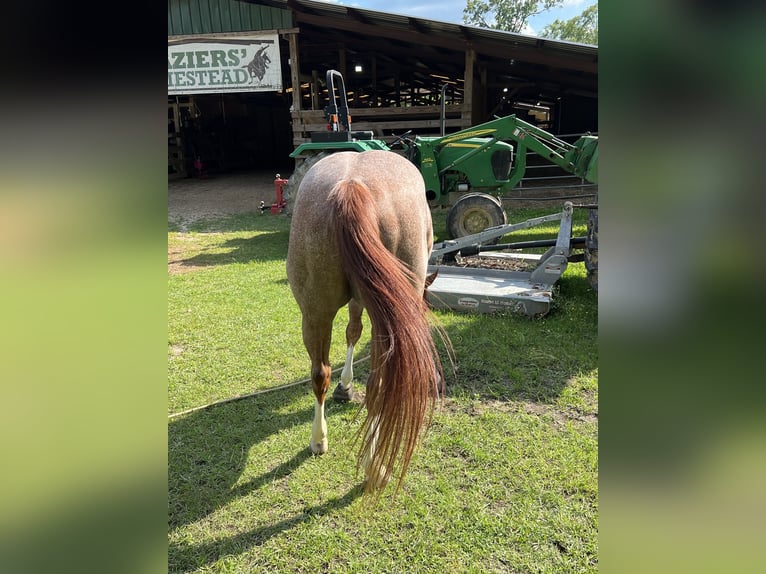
x=505, y=479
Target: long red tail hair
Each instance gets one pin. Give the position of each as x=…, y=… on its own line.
x=405, y=369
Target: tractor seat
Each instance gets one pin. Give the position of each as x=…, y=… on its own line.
x=366, y=135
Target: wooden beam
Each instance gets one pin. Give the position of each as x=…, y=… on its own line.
x=295, y=69
x=408, y=35
x=357, y=15
x=314, y=90
x=342, y=64
x=470, y=59
x=503, y=50
x=481, y=104
x=223, y=35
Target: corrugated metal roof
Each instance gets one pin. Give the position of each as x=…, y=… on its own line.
x=429, y=26
x=191, y=17
x=422, y=43
x=423, y=50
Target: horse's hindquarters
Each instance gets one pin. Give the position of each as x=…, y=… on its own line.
x=361, y=227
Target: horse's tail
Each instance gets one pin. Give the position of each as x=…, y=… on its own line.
x=405, y=370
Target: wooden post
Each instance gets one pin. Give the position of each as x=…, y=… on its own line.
x=374, y=94
x=295, y=72
x=342, y=61
x=314, y=90
x=470, y=59
x=480, y=110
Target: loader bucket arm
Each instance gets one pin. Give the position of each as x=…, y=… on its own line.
x=580, y=158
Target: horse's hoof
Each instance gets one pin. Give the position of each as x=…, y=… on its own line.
x=318, y=447
x=343, y=395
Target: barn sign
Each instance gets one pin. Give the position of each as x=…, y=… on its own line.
x=242, y=64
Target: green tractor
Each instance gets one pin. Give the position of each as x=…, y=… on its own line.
x=476, y=163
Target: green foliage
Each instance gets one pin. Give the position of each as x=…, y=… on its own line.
x=582, y=28
x=508, y=15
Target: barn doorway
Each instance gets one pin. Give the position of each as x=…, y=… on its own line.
x=221, y=133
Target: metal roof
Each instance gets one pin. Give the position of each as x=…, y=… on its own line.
x=427, y=26
x=420, y=24
x=192, y=17
x=422, y=49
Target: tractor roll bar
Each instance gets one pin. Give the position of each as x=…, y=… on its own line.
x=337, y=115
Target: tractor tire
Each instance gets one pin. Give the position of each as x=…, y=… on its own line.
x=473, y=213
x=591, y=249
x=302, y=166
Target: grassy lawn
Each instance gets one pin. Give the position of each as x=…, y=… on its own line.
x=505, y=479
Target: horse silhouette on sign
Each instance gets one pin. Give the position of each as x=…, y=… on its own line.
x=259, y=64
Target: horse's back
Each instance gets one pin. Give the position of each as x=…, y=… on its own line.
x=396, y=185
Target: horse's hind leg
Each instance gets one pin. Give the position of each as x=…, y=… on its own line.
x=317, y=337
x=344, y=390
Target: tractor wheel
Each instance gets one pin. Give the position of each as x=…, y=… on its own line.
x=591, y=249
x=302, y=166
x=474, y=213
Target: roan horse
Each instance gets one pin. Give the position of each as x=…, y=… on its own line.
x=361, y=234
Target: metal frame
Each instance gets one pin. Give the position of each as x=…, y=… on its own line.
x=492, y=290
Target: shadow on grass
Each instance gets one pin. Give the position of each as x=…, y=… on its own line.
x=267, y=240
x=207, y=454
x=271, y=246
x=183, y=558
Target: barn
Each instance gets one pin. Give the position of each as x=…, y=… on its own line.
x=246, y=79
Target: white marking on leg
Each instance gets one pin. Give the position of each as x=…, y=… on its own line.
x=347, y=374
x=319, y=430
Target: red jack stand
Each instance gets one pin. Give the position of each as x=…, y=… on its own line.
x=280, y=204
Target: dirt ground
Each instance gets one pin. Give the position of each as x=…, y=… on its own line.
x=191, y=199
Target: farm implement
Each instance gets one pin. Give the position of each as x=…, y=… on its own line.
x=520, y=283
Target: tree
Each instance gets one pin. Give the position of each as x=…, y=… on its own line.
x=582, y=28
x=508, y=15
